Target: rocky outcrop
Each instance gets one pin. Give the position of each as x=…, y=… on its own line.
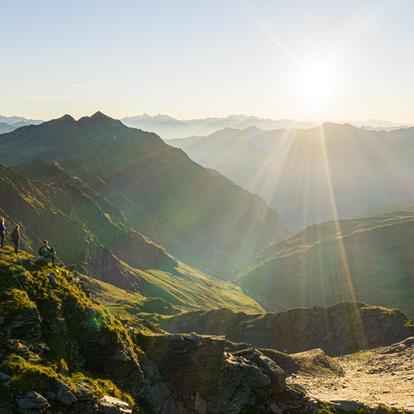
x=34, y=403
x=205, y=378
x=340, y=329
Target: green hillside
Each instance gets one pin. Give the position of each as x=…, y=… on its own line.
x=87, y=232
x=198, y=215
x=53, y=336
x=369, y=260
x=167, y=293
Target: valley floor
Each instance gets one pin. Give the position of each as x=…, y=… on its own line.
x=380, y=376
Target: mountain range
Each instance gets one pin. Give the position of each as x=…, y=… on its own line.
x=168, y=127
x=120, y=203
x=171, y=128
x=314, y=175
x=10, y=123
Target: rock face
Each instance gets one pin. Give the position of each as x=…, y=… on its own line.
x=340, y=329
x=205, y=378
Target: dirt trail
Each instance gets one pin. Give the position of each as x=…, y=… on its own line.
x=381, y=376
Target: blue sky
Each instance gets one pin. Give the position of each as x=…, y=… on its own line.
x=206, y=58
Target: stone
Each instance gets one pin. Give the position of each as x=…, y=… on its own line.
x=348, y=405
x=83, y=392
x=276, y=374
x=112, y=405
x=205, y=378
x=52, y=280
x=4, y=377
x=32, y=401
x=200, y=405
x=65, y=395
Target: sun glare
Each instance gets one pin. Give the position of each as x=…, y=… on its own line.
x=316, y=82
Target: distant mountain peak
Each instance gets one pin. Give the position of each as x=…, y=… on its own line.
x=98, y=118
x=100, y=115
x=67, y=117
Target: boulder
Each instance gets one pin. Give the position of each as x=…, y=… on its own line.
x=32, y=402
x=65, y=395
x=204, y=378
x=4, y=377
x=22, y=322
x=112, y=405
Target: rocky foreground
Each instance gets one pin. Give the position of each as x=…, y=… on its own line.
x=61, y=352
x=373, y=377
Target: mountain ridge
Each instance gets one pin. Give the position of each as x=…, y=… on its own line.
x=305, y=175
x=149, y=182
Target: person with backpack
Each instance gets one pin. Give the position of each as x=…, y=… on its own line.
x=15, y=237
x=47, y=252
x=2, y=231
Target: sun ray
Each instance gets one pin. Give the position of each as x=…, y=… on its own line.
x=342, y=251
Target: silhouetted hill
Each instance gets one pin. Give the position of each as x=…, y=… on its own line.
x=197, y=214
x=313, y=175
x=368, y=260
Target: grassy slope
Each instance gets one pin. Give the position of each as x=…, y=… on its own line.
x=166, y=293
x=51, y=331
x=81, y=227
x=370, y=258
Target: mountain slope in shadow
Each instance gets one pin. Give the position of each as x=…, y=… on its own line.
x=368, y=260
x=197, y=214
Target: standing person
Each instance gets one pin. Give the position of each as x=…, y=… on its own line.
x=15, y=236
x=2, y=231
x=47, y=252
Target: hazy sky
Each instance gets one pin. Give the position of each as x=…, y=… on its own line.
x=303, y=59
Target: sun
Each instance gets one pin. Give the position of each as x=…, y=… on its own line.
x=316, y=82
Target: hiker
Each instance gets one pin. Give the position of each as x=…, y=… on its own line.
x=15, y=237
x=2, y=231
x=47, y=252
